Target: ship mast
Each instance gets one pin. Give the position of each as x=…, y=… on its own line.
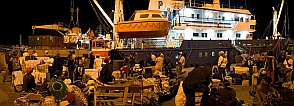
x=276, y=19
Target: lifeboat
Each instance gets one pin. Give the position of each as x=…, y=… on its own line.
x=144, y=24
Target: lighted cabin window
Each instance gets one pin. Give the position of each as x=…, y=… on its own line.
x=252, y=26
x=212, y=54
x=219, y=35
x=205, y=54
x=204, y=35
x=156, y=16
x=238, y=35
x=195, y=34
x=200, y=54
x=144, y=15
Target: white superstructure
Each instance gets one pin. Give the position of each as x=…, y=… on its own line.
x=207, y=21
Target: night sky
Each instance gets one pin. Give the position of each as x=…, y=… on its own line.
x=19, y=16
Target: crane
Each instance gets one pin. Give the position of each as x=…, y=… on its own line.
x=56, y=27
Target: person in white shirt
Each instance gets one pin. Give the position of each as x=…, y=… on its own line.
x=288, y=63
x=153, y=59
x=180, y=63
x=222, y=64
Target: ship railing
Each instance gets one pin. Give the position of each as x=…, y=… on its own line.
x=155, y=43
x=197, y=3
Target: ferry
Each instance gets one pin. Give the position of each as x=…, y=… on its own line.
x=199, y=31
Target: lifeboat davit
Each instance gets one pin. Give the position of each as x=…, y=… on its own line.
x=144, y=24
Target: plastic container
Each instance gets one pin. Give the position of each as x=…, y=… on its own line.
x=215, y=82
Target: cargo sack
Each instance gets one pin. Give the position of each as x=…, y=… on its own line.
x=22, y=101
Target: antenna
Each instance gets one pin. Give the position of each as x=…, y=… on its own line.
x=77, y=22
x=72, y=10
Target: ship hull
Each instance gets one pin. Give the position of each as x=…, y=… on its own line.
x=142, y=29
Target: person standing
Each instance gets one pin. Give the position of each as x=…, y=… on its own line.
x=222, y=64
x=270, y=65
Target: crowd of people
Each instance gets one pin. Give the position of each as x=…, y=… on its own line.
x=198, y=80
x=279, y=66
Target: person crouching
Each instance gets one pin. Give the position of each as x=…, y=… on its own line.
x=28, y=81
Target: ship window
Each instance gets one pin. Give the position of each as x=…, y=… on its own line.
x=193, y=15
x=197, y=16
x=238, y=35
x=144, y=15
x=204, y=35
x=219, y=35
x=156, y=16
x=223, y=18
x=212, y=54
x=252, y=26
x=200, y=54
x=205, y=54
x=195, y=34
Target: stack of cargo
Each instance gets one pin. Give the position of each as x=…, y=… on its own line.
x=45, y=42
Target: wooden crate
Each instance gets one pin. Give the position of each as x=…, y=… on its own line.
x=31, y=40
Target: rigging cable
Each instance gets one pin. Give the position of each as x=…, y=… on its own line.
x=129, y=7
x=97, y=15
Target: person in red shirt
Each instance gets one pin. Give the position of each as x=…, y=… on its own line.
x=124, y=70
